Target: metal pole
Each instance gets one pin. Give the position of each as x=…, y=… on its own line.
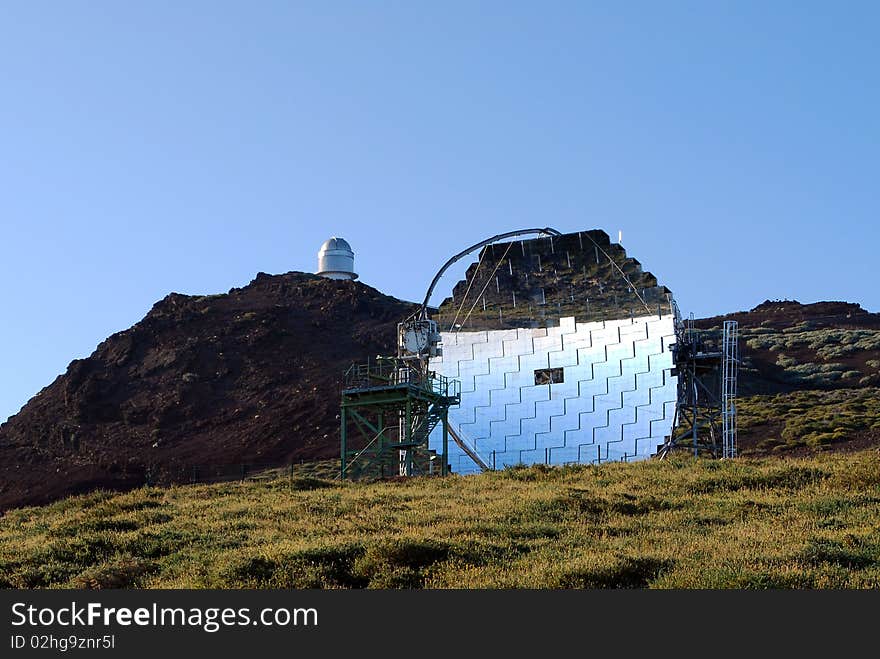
x=444, y=466
x=405, y=454
x=343, y=416
x=694, y=424
x=380, y=423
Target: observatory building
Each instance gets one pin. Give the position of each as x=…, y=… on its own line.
x=336, y=259
x=563, y=348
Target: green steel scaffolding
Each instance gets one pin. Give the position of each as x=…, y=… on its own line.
x=394, y=404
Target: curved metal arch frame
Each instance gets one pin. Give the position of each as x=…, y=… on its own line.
x=422, y=313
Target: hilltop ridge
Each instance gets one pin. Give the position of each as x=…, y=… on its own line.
x=251, y=375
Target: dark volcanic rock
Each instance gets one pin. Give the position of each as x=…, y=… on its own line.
x=782, y=314
x=251, y=376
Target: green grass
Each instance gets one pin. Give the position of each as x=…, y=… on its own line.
x=681, y=523
x=811, y=418
x=827, y=343
x=811, y=357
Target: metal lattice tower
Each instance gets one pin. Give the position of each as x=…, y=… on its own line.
x=706, y=364
x=394, y=404
x=729, y=364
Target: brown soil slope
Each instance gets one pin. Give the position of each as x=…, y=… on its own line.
x=250, y=376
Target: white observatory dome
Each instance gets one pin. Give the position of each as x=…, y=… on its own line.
x=336, y=259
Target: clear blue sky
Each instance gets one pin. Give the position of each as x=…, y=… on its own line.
x=149, y=147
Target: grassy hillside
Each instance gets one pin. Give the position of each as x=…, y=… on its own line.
x=813, y=419
x=807, y=357
x=809, y=379
x=749, y=523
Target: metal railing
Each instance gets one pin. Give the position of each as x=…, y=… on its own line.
x=395, y=372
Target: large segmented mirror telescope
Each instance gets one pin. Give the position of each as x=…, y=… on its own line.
x=562, y=345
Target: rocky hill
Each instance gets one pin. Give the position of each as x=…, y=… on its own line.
x=251, y=376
